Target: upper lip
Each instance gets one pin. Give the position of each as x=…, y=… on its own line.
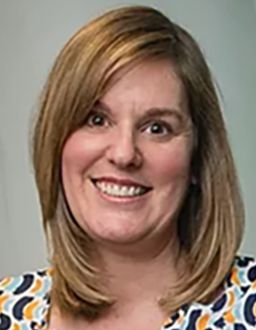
x=120, y=181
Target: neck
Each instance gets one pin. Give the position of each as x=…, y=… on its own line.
x=143, y=271
x=138, y=276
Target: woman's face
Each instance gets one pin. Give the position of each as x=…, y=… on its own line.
x=126, y=171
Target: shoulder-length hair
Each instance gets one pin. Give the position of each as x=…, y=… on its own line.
x=210, y=224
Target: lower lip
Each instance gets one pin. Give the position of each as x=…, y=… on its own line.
x=121, y=200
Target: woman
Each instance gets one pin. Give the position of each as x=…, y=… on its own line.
x=138, y=189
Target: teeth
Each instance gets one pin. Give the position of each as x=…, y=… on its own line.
x=124, y=191
x=116, y=190
x=137, y=191
x=131, y=191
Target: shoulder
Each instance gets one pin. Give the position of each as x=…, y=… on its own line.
x=236, y=308
x=243, y=273
x=24, y=299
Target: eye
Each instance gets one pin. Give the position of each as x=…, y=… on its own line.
x=96, y=119
x=159, y=128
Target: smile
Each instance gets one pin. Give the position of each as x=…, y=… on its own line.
x=120, y=190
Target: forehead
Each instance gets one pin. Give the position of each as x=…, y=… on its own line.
x=148, y=85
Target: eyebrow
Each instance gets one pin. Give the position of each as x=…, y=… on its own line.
x=153, y=112
x=163, y=112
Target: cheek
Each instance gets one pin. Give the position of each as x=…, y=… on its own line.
x=172, y=163
x=79, y=153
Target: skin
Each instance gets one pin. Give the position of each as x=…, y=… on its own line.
x=125, y=139
x=122, y=144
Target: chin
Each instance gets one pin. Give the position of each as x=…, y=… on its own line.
x=114, y=234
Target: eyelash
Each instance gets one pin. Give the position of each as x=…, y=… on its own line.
x=164, y=125
x=93, y=115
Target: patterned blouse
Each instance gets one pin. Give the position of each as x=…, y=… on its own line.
x=24, y=303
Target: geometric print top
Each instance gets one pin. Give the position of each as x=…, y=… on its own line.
x=25, y=302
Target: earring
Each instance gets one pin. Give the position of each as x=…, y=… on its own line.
x=193, y=180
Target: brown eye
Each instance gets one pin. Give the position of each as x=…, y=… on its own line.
x=96, y=119
x=159, y=128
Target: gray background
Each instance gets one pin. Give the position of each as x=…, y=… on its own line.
x=31, y=35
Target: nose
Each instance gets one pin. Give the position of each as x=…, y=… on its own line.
x=123, y=151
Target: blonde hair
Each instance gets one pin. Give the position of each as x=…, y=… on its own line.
x=210, y=224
